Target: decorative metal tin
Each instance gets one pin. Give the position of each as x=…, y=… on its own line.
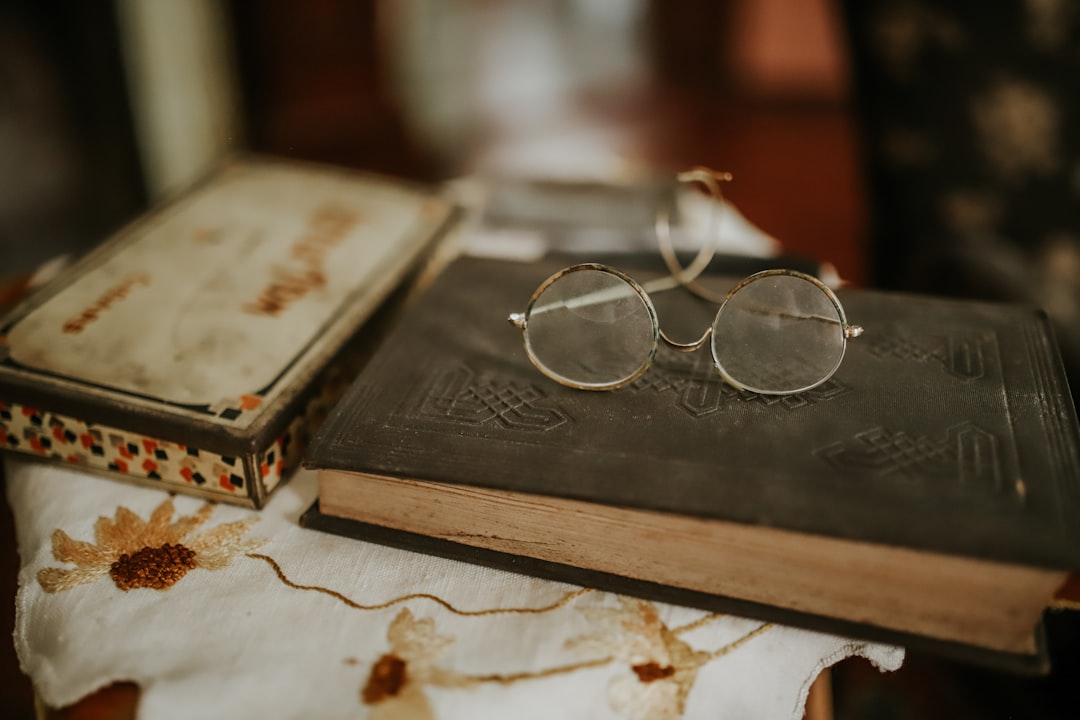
x=194, y=348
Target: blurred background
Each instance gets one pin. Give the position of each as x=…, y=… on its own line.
x=109, y=106
x=928, y=146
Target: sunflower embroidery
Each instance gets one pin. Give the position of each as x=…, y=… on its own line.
x=154, y=553
x=395, y=685
x=662, y=668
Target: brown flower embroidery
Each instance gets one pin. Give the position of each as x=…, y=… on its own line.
x=662, y=667
x=154, y=553
x=395, y=685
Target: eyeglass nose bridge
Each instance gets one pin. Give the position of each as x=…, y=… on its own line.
x=686, y=347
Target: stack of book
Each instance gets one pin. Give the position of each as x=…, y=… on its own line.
x=928, y=494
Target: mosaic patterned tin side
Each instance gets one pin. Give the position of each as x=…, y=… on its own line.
x=150, y=460
x=99, y=447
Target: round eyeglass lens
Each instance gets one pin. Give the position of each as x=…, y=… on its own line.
x=778, y=334
x=590, y=328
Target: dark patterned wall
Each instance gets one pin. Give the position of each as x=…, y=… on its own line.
x=970, y=117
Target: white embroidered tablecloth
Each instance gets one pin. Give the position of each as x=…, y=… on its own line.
x=221, y=612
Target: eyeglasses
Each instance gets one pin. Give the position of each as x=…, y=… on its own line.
x=593, y=327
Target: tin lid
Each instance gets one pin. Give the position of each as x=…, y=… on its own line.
x=203, y=320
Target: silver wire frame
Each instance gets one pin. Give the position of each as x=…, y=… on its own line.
x=521, y=321
x=685, y=277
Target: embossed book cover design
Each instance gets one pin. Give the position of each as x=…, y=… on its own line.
x=948, y=428
x=191, y=348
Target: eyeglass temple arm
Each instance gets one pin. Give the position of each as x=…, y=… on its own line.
x=850, y=331
x=711, y=179
x=598, y=296
x=594, y=298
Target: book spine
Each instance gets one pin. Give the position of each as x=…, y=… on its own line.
x=1056, y=412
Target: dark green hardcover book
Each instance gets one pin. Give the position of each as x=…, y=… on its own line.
x=927, y=494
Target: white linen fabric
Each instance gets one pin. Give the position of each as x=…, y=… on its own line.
x=221, y=612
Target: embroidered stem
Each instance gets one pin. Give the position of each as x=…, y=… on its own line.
x=720, y=652
x=565, y=600
x=697, y=623
x=538, y=674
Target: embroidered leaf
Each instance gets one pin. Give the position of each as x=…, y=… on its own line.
x=54, y=580
x=67, y=550
x=653, y=701
x=105, y=532
x=129, y=522
x=185, y=525
x=416, y=640
x=215, y=558
x=124, y=534
x=162, y=514
x=220, y=535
